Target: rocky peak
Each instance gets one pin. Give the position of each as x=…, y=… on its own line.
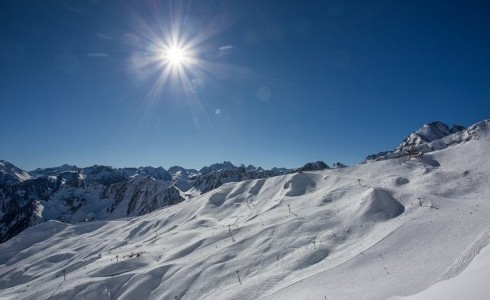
x=226, y=165
x=53, y=170
x=428, y=133
x=338, y=165
x=314, y=166
x=10, y=174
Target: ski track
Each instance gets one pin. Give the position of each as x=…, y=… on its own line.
x=467, y=257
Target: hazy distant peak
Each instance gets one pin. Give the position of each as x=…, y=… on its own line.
x=10, y=174
x=338, y=165
x=314, y=166
x=226, y=165
x=53, y=170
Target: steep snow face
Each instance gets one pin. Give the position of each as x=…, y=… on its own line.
x=10, y=174
x=373, y=231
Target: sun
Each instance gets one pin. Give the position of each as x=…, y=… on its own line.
x=175, y=56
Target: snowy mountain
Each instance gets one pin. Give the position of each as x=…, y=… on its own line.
x=73, y=195
x=378, y=230
x=428, y=133
x=10, y=174
x=430, y=137
x=40, y=172
x=313, y=166
x=211, y=177
x=94, y=193
x=182, y=173
x=338, y=165
x=225, y=166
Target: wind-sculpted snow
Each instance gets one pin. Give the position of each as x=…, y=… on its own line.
x=378, y=204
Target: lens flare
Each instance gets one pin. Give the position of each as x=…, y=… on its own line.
x=176, y=50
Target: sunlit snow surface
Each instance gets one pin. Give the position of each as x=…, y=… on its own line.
x=471, y=284
x=375, y=231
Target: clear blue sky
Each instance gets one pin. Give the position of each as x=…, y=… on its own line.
x=270, y=83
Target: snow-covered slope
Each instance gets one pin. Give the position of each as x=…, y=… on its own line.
x=374, y=231
x=471, y=284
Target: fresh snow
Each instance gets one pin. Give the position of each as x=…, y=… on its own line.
x=379, y=230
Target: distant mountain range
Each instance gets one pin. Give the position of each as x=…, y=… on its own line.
x=72, y=194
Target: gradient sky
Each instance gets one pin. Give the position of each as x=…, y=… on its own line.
x=272, y=83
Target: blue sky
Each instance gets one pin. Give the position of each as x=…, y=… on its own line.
x=269, y=83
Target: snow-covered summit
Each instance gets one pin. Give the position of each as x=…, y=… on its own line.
x=434, y=136
x=225, y=166
x=428, y=133
x=10, y=174
x=183, y=173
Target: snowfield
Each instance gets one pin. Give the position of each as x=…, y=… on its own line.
x=380, y=230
